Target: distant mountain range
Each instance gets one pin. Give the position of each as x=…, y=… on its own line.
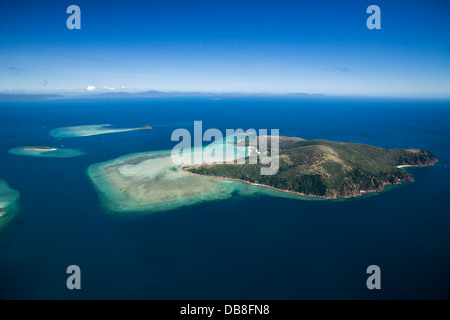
x=145, y=94
x=28, y=97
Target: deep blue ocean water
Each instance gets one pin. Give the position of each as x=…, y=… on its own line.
x=242, y=248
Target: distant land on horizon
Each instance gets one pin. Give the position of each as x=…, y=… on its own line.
x=143, y=94
x=36, y=96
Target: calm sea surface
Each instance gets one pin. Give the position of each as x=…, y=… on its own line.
x=242, y=248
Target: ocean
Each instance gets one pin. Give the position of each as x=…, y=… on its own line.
x=257, y=247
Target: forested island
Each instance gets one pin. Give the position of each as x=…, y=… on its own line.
x=325, y=169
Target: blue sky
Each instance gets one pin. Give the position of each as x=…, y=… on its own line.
x=279, y=46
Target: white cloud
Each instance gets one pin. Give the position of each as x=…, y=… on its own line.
x=109, y=88
x=90, y=88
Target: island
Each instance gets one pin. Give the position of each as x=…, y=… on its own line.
x=46, y=152
x=325, y=169
x=90, y=130
x=315, y=170
x=40, y=148
x=147, y=127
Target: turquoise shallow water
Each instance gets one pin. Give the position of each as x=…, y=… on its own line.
x=153, y=181
x=57, y=153
x=8, y=203
x=86, y=131
x=237, y=247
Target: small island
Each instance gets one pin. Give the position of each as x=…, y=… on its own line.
x=40, y=148
x=325, y=169
x=147, y=127
x=91, y=130
x=45, y=152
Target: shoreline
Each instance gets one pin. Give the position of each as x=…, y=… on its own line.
x=334, y=197
x=417, y=165
x=362, y=192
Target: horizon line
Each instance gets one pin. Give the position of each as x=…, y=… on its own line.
x=150, y=93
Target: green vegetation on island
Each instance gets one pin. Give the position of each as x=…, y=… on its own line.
x=325, y=168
